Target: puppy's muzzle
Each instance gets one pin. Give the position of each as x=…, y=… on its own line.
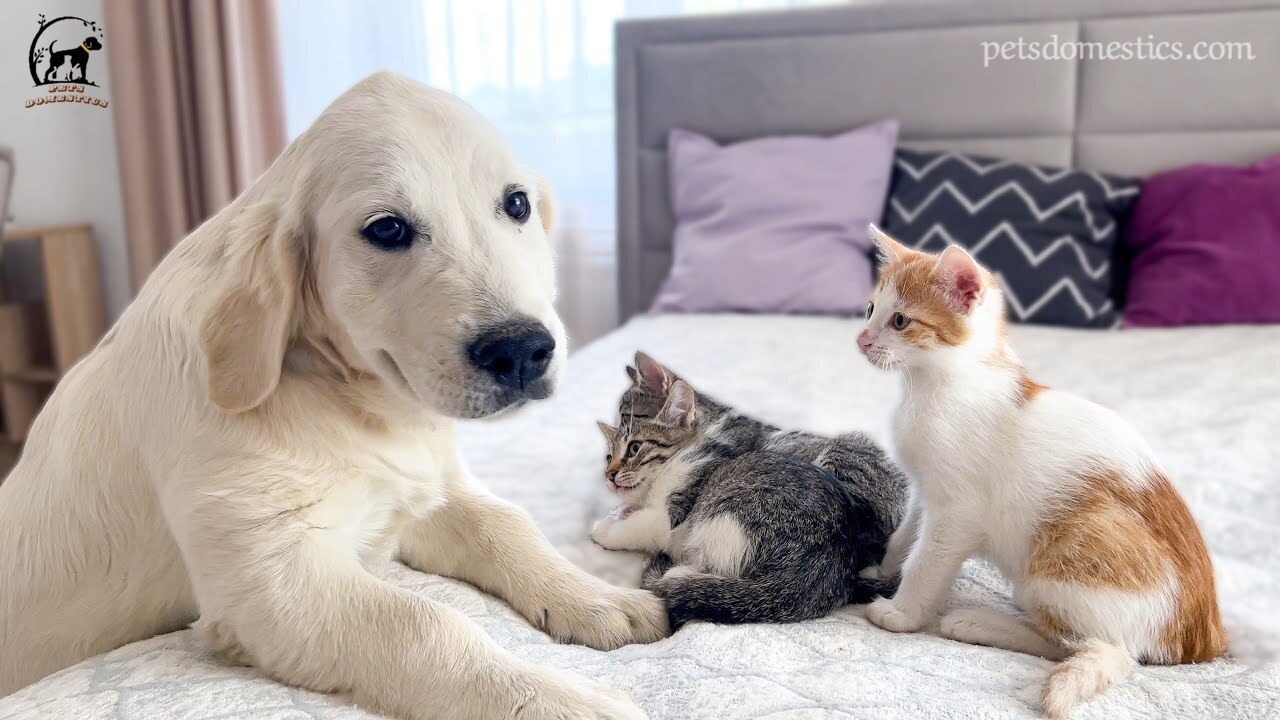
x=515, y=355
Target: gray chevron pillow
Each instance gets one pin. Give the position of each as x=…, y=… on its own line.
x=1051, y=235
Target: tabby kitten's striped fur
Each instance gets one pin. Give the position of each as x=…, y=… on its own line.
x=739, y=532
x=852, y=457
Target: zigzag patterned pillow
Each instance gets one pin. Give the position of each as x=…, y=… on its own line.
x=1051, y=235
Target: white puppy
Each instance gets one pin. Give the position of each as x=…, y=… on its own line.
x=273, y=419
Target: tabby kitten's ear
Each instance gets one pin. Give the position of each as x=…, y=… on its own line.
x=652, y=374
x=633, y=375
x=680, y=409
x=610, y=432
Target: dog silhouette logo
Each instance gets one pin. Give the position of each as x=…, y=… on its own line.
x=62, y=50
x=61, y=58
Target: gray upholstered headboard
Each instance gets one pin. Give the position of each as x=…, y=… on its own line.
x=829, y=70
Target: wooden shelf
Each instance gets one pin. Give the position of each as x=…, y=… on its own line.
x=33, y=375
x=37, y=232
x=53, y=317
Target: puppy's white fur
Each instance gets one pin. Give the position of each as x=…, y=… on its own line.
x=273, y=419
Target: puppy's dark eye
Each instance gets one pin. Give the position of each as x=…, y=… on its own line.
x=633, y=448
x=517, y=206
x=871, y=307
x=388, y=233
x=900, y=321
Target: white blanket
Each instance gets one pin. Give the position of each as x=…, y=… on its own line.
x=1208, y=400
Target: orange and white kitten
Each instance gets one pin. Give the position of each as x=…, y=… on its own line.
x=1061, y=494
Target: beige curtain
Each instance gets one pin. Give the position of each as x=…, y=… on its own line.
x=196, y=91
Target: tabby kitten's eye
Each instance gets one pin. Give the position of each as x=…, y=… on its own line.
x=871, y=307
x=633, y=448
x=900, y=321
x=608, y=458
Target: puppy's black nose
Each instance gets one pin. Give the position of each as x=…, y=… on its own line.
x=515, y=355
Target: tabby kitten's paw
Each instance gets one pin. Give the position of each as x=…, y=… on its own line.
x=600, y=531
x=607, y=534
x=884, y=613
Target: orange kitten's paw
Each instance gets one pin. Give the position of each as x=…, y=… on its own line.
x=883, y=613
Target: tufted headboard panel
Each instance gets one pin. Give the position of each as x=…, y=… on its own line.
x=823, y=71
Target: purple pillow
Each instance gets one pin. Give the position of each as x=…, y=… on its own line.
x=1205, y=243
x=776, y=224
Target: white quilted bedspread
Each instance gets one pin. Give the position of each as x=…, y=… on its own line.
x=1207, y=399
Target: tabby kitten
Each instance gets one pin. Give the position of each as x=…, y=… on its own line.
x=854, y=458
x=736, y=537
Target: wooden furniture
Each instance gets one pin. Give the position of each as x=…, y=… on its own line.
x=51, y=315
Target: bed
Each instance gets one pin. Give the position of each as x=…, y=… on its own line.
x=1212, y=417
x=1208, y=399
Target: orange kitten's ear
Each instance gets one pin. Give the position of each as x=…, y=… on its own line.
x=891, y=250
x=680, y=409
x=652, y=374
x=961, y=278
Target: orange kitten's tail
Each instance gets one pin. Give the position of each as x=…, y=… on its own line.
x=1094, y=667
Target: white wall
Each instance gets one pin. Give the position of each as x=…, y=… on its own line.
x=66, y=153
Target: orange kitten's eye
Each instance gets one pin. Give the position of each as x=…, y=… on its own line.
x=871, y=307
x=900, y=321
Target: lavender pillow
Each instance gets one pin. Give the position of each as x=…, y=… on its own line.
x=777, y=224
x=1205, y=247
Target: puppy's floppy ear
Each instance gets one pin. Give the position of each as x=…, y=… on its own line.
x=252, y=303
x=546, y=205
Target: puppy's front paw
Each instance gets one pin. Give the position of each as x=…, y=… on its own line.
x=608, y=617
x=566, y=696
x=646, y=614
x=884, y=613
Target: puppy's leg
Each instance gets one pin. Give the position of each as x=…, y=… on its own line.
x=292, y=597
x=495, y=546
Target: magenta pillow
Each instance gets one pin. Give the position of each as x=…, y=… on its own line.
x=776, y=224
x=1205, y=247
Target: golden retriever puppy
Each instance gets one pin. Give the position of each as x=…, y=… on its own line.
x=272, y=419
